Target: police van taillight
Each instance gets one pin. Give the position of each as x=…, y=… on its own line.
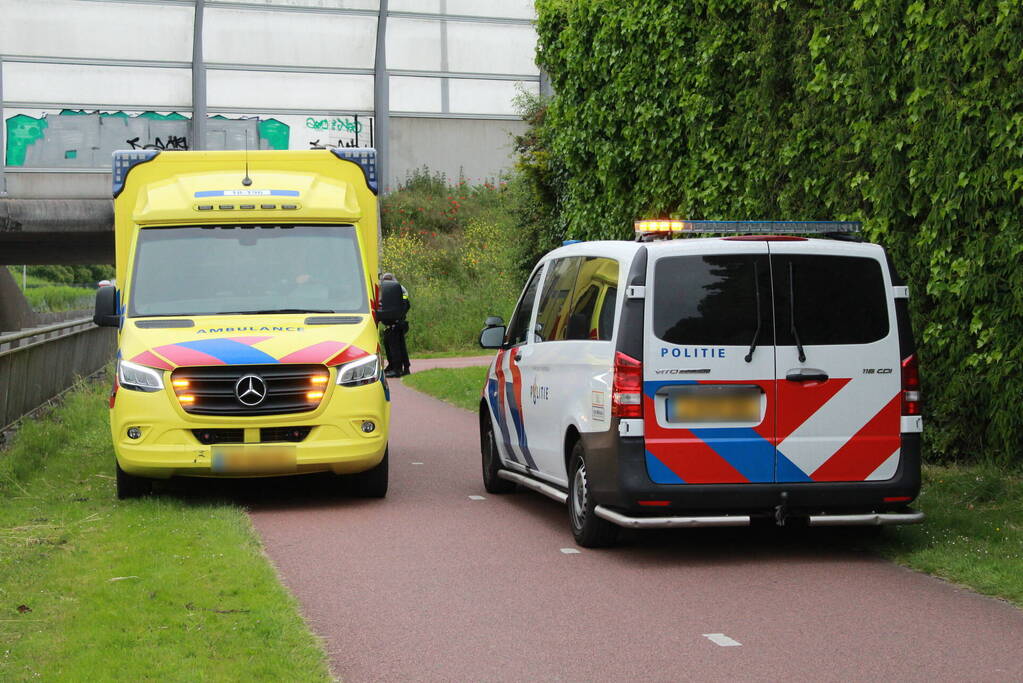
x=910, y=386
x=627, y=387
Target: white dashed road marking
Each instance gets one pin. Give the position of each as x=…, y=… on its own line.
x=721, y=639
x=570, y=551
x=417, y=463
x=476, y=498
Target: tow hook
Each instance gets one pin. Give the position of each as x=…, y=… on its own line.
x=781, y=509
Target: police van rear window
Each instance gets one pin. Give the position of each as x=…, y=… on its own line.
x=713, y=299
x=838, y=299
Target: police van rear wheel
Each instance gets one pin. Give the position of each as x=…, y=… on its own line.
x=373, y=482
x=589, y=530
x=492, y=462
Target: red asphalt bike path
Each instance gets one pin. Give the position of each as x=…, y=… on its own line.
x=430, y=585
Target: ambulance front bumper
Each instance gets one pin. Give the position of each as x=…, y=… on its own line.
x=333, y=439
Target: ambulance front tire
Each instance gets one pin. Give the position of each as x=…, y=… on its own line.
x=129, y=486
x=372, y=483
x=589, y=530
x=492, y=462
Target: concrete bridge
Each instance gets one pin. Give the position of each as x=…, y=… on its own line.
x=51, y=219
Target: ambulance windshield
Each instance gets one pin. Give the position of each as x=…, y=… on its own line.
x=247, y=269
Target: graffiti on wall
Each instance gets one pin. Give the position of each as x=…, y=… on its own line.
x=86, y=139
x=340, y=131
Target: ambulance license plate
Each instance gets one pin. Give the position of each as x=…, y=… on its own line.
x=714, y=403
x=253, y=459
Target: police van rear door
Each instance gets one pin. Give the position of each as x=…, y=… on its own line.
x=709, y=363
x=839, y=372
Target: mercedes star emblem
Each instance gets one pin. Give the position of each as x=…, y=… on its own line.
x=250, y=390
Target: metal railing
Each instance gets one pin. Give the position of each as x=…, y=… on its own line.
x=39, y=364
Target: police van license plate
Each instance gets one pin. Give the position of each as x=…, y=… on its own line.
x=253, y=459
x=714, y=403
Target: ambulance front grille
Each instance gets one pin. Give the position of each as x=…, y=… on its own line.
x=287, y=389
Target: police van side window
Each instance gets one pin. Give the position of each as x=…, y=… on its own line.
x=594, y=299
x=518, y=327
x=713, y=300
x=838, y=299
x=552, y=316
x=606, y=321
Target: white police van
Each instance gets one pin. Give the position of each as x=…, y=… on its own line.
x=708, y=381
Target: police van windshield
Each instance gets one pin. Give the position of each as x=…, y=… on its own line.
x=247, y=269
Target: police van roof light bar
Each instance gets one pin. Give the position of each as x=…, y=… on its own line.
x=677, y=226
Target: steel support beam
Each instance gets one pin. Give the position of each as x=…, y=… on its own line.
x=198, y=81
x=381, y=101
x=545, y=85
x=445, y=84
x=3, y=126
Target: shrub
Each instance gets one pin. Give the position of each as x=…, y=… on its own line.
x=427, y=203
x=455, y=281
x=54, y=298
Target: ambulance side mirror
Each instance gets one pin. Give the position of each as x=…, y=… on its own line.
x=105, y=314
x=492, y=336
x=392, y=302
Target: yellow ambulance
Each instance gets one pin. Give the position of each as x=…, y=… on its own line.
x=247, y=300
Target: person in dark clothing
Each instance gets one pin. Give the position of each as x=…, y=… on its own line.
x=398, y=363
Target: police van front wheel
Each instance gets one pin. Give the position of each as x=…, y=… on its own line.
x=492, y=462
x=589, y=530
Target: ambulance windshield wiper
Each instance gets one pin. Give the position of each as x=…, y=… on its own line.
x=756, y=334
x=276, y=310
x=792, y=303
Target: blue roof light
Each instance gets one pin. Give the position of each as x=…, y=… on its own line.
x=365, y=157
x=124, y=161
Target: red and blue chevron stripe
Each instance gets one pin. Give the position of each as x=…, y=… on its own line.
x=242, y=351
x=751, y=455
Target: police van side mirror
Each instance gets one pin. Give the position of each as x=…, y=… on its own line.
x=105, y=313
x=392, y=302
x=492, y=336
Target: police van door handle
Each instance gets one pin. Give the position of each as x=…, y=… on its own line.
x=806, y=375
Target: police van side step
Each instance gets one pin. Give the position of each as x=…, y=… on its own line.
x=872, y=519
x=669, y=522
x=537, y=486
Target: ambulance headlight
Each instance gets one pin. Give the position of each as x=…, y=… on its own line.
x=138, y=377
x=358, y=372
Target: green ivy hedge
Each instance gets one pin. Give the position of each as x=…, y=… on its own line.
x=907, y=115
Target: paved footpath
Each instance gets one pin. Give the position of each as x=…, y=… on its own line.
x=434, y=585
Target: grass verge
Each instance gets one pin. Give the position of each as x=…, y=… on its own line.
x=158, y=589
x=460, y=386
x=973, y=534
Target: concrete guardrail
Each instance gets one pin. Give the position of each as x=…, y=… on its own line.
x=39, y=364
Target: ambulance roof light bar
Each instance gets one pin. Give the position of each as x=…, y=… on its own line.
x=667, y=227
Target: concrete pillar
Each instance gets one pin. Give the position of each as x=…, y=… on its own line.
x=15, y=313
